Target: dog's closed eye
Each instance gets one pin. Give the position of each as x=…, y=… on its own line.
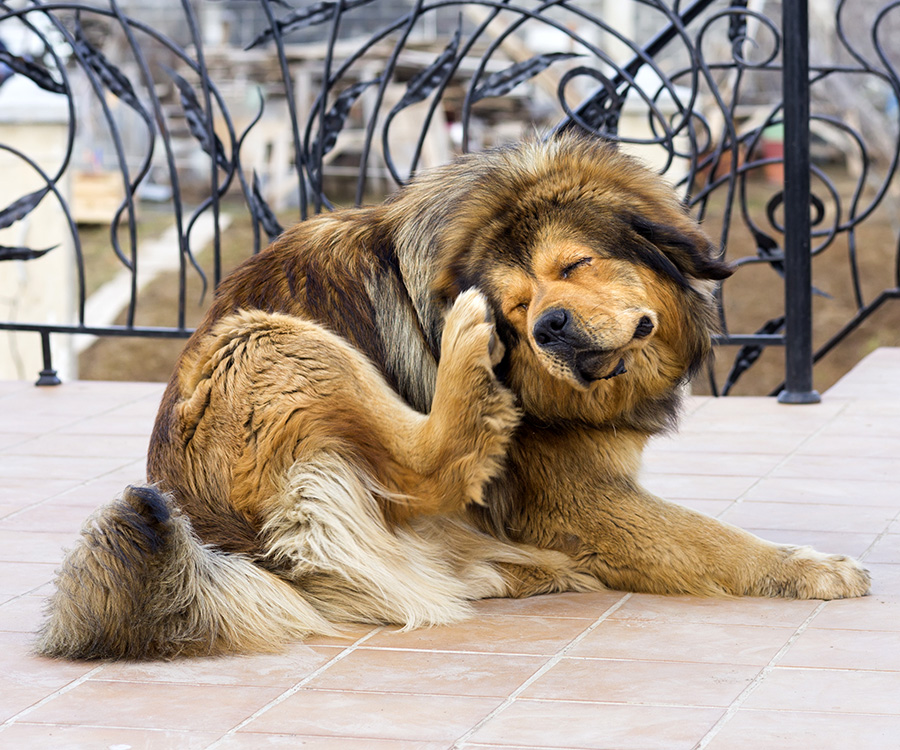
x=569, y=269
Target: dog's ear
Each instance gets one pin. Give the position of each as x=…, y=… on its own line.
x=451, y=280
x=689, y=251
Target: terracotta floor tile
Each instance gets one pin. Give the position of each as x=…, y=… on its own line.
x=350, y=634
x=868, y=613
x=96, y=446
x=437, y=718
x=248, y=741
x=657, y=673
x=831, y=542
x=142, y=705
x=31, y=422
x=51, y=518
x=13, y=387
x=642, y=682
x=29, y=491
x=32, y=546
x=689, y=439
x=17, y=578
x=825, y=492
x=22, y=614
x=428, y=672
x=675, y=486
x=597, y=725
x=282, y=670
x=852, y=467
x=96, y=493
x=7, y=509
x=27, y=679
x=763, y=515
x=60, y=467
x=10, y=440
x=844, y=649
x=705, y=463
x=107, y=393
x=508, y=634
x=582, y=606
x=683, y=642
x=27, y=736
x=846, y=446
x=109, y=425
x=743, y=611
x=885, y=578
x=885, y=550
x=714, y=508
x=865, y=425
x=787, y=730
x=144, y=408
x=843, y=691
x=762, y=415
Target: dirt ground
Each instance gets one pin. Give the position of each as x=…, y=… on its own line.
x=751, y=297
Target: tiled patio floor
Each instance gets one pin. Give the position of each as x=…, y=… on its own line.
x=607, y=670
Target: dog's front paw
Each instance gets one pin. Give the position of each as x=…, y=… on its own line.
x=469, y=332
x=472, y=410
x=807, y=574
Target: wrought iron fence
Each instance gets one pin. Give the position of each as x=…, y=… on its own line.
x=260, y=107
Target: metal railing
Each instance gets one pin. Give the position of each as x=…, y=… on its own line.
x=701, y=90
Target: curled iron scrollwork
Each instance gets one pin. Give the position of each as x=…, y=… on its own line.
x=277, y=109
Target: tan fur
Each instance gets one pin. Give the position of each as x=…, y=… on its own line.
x=394, y=410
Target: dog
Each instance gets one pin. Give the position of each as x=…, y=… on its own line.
x=394, y=410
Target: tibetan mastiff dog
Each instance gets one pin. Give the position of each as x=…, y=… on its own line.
x=394, y=410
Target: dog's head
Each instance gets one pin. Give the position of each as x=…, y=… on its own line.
x=599, y=278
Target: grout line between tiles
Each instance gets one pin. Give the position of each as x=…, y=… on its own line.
x=757, y=681
x=46, y=699
x=295, y=688
x=552, y=662
x=50, y=498
x=879, y=537
x=791, y=453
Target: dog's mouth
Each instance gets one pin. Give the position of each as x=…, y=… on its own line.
x=591, y=366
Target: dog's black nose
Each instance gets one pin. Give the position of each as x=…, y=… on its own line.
x=552, y=326
x=644, y=328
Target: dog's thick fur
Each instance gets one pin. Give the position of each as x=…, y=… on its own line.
x=394, y=410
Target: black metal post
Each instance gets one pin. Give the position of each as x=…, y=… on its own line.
x=48, y=374
x=798, y=386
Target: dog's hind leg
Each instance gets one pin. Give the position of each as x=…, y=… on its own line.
x=291, y=389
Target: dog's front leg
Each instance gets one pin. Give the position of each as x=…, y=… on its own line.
x=635, y=541
x=462, y=443
x=575, y=491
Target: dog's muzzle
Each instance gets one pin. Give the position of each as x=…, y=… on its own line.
x=561, y=337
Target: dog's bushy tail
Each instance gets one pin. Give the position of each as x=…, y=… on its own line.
x=140, y=585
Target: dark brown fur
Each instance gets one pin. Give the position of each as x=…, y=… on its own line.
x=459, y=381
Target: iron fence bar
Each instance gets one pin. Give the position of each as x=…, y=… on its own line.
x=798, y=388
x=45, y=329
x=758, y=339
x=47, y=375
x=850, y=326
